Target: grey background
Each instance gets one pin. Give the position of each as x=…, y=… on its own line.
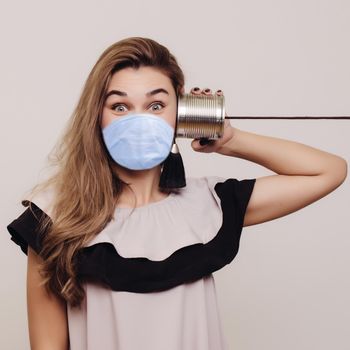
x=288, y=287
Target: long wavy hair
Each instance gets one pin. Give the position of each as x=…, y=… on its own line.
x=85, y=183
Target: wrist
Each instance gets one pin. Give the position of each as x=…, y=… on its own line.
x=228, y=148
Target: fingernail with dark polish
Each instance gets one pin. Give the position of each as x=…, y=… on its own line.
x=204, y=141
x=196, y=89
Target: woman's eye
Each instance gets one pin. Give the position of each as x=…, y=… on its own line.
x=119, y=107
x=157, y=104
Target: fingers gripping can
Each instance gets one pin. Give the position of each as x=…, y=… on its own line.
x=200, y=116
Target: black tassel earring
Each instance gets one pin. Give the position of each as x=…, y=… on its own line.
x=173, y=173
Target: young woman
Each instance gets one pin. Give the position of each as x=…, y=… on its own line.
x=117, y=257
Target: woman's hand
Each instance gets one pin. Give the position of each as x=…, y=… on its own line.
x=212, y=145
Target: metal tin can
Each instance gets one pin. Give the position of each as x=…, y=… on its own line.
x=200, y=116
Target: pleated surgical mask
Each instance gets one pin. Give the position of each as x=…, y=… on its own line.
x=138, y=141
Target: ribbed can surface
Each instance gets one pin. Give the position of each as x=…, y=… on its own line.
x=200, y=116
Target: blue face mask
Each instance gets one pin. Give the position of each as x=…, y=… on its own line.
x=138, y=141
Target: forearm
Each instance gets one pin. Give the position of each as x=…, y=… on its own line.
x=283, y=157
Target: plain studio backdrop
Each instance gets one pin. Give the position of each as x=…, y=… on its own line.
x=288, y=288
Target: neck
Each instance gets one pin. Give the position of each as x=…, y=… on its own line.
x=143, y=186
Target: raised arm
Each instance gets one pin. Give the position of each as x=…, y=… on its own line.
x=47, y=316
x=305, y=174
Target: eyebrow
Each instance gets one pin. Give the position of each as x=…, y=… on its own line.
x=122, y=93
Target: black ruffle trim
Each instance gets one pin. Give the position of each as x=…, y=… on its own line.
x=102, y=263
x=25, y=229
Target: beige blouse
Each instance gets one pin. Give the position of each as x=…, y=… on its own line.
x=150, y=271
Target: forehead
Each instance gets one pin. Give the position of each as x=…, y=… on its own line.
x=140, y=79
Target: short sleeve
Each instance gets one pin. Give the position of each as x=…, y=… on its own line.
x=233, y=195
x=25, y=229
